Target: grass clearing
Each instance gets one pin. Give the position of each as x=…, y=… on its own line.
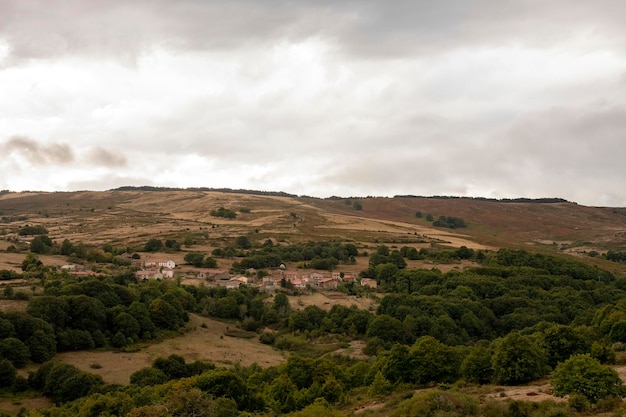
x=204, y=341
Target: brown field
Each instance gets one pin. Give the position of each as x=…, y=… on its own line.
x=13, y=305
x=325, y=300
x=15, y=405
x=130, y=218
x=206, y=340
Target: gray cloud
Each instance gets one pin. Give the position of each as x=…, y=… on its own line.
x=60, y=154
x=490, y=97
x=106, y=158
x=122, y=29
x=38, y=154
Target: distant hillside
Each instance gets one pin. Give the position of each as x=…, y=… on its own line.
x=129, y=214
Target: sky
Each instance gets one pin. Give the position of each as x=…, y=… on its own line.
x=482, y=98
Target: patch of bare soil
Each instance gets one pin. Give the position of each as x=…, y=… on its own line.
x=13, y=406
x=342, y=222
x=206, y=341
x=13, y=305
x=355, y=350
x=534, y=393
x=326, y=300
x=537, y=392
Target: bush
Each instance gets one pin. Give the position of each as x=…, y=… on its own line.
x=15, y=351
x=148, y=376
x=63, y=382
x=32, y=230
x=586, y=376
x=267, y=338
x=438, y=403
x=153, y=245
x=8, y=373
x=119, y=340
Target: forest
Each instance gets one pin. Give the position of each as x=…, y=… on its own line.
x=514, y=318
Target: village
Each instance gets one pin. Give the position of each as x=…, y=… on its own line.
x=162, y=269
x=281, y=277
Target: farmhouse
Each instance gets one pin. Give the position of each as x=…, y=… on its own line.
x=146, y=274
x=368, y=282
x=328, y=283
x=158, y=263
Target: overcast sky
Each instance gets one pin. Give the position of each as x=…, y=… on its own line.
x=491, y=98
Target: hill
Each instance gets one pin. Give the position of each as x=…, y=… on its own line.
x=458, y=289
x=131, y=216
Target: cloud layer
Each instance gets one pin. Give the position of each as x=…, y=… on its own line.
x=492, y=98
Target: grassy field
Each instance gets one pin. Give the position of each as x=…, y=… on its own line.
x=206, y=340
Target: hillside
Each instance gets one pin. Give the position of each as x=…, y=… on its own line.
x=130, y=217
x=477, y=297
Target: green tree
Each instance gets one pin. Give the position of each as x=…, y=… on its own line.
x=31, y=262
x=7, y=373
x=396, y=366
x=148, y=376
x=67, y=247
x=224, y=383
x=380, y=386
x=517, y=360
x=41, y=244
x=8, y=292
x=243, y=242
x=209, y=262
x=195, y=259
x=163, y=315
x=560, y=342
x=74, y=339
x=282, y=392
x=172, y=244
x=76, y=385
x=153, y=245
x=173, y=366
x=476, y=366
x=127, y=324
x=6, y=328
x=386, y=272
x=586, y=376
x=32, y=230
x=88, y=313
x=15, y=350
x=42, y=346
x=118, y=340
x=53, y=310
x=226, y=308
x=440, y=403
x=141, y=313
x=281, y=304
x=387, y=328
x=432, y=361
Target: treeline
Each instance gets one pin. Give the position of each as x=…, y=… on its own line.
x=316, y=255
x=77, y=314
x=545, y=200
x=205, y=189
x=616, y=256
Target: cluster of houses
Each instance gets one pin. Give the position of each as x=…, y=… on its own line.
x=291, y=279
x=156, y=269
x=163, y=269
